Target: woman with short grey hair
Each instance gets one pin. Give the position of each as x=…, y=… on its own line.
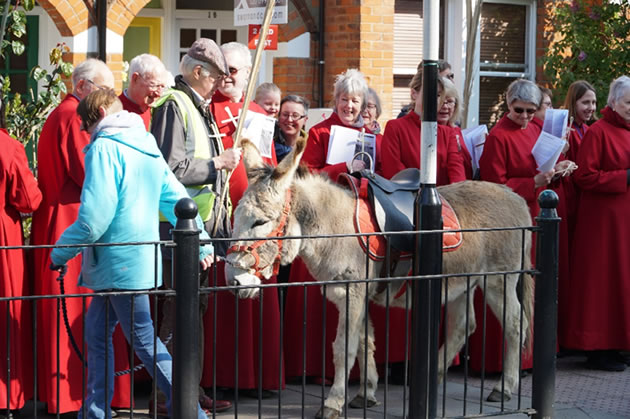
x=507, y=159
x=598, y=311
x=350, y=93
x=372, y=111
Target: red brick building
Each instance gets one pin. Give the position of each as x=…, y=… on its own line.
x=382, y=38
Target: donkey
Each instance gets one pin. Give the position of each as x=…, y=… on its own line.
x=289, y=201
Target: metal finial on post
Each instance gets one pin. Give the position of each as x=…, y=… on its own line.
x=186, y=374
x=546, y=306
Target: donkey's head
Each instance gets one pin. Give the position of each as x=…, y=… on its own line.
x=264, y=211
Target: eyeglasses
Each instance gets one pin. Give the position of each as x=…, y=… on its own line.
x=234, y=70
x=371, y=106
x=451, y=76
x=293, y=116
x=98, y=86
x=450, y=102
x=519, y=111
x=153, y=86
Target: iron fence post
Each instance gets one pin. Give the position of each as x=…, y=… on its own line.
x=186, y=349
x=426, y=307
x=546, y=306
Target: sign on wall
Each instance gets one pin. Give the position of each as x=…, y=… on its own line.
x=271, y=42
x=251, y=12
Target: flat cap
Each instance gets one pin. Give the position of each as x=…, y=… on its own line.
x=204, y=49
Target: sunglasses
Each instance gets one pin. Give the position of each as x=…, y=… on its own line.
x=519, y=111
x=234, y=70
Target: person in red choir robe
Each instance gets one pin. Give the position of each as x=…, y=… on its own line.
x=351, y=99
x=507, y=160
x=581, y=103
x=226, y=106
x=60, y=173
x=545, y=103
x=449, y=115
x=401, y=141
x=147, y=80
x=19, y=194
x=598, y=311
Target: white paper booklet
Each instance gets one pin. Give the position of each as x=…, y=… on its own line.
x=259, y=130
x=344, y=143
x=556, y=122
x=547, y=150
x=475, y=138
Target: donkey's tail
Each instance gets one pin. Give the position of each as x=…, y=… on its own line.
x=528, y=307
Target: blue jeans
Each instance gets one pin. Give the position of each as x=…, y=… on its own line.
x=98, y=326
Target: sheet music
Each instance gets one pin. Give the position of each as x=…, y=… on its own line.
x=556, y=122
x=344, y=143
x=475, y=138
x=259, y=130
x=547, y=150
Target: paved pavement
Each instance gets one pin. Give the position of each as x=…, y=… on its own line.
x=580, y=394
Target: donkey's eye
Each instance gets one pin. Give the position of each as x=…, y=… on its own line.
x=258, y=223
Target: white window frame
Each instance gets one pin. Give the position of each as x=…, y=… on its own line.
x=455, y=49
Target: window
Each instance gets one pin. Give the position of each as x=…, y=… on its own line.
x=18, y=67
x=506, y=53
x=408, y=41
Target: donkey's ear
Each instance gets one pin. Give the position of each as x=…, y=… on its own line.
x=251, y=156
x=287, y=167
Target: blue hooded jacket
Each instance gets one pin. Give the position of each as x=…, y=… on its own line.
x=127, y=182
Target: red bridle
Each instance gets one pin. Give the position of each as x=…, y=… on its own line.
x=278, y=232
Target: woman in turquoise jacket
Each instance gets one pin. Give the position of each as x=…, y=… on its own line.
x=127, y=183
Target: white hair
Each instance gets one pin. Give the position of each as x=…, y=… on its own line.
x=240, y=49
x=89, y=69
x=147, y=64
x=524, y=90
x=188, y=64
x=352, y=82
x=618, y=88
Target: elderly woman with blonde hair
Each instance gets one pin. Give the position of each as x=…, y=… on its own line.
x=350, y=101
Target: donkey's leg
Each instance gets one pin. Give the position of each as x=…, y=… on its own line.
x=456, y=332
x=333, y=405
x=371, y=375
x=512, y=331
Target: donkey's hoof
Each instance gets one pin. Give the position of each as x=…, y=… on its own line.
x=327, y=413
x=359, y=401
x=497, y=396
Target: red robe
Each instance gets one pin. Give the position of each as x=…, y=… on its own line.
x=461, y=146
x=401, y=149
x=249, y=319
x=599, y=314
x=313, y=331
x=507, y=160
x=131, y=106
x=19, y=193
x=61, y=171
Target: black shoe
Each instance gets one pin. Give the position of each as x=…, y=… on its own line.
x=623, y=357
x=605, y=361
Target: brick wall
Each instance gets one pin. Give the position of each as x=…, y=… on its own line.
x=358, y=34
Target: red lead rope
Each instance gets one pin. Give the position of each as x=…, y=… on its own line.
x=278, y=232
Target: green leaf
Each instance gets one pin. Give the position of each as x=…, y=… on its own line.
x=17, y=47
x=38, y=73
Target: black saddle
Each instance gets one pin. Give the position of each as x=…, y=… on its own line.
x=393, y=203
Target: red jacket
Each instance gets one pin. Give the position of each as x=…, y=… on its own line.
x=401, y=149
